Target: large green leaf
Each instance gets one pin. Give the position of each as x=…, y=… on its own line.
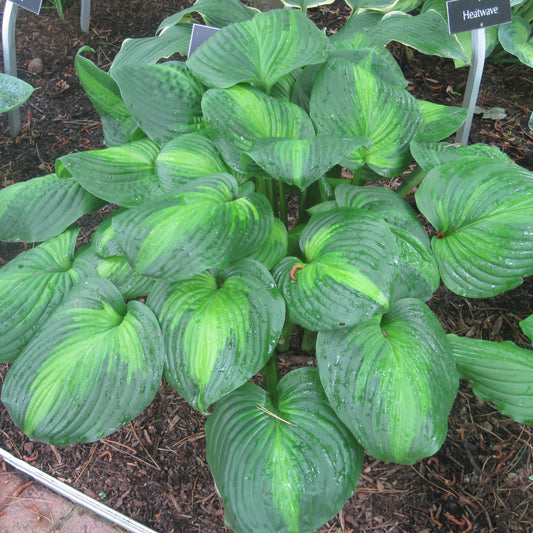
x=392, y=381
x=301, y=162
x=41, y=208
x=417, y=270
x=150, y=50
x=207, y=227
x=348, y=100
x=482, y=210
x=32, y=285
x=259, y=51
x=501, y=373
x=13, y=92
x=427, y=32
x=164, y=99
x=117, y=123
x=96, y=365
x=281, y=467
x=348, y=272
x=239, y=116
x=219, y=329
x=124, y=175
x=516, y=38
x=218, y=13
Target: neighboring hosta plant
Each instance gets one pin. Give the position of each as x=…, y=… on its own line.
x=13, y=92
x=203, y=155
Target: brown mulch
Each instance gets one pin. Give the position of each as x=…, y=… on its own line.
x=154, y=469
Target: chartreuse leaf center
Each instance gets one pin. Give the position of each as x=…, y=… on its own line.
x=351, y=276
x=94, y=365
x=74, y=357
x=284, y=479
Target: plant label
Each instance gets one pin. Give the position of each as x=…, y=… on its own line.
x=468, y=15
x=31, y=5
x=199, y=34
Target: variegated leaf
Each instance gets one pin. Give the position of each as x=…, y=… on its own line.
x=348, y=272
x=96, y=365
x=284, y=466
x=482, y=210
x=259, y=51
x=209, y=226
x=219, y=329
x=392, y=381
x=239, y=116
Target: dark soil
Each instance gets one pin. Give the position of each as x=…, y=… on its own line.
x=154, y=469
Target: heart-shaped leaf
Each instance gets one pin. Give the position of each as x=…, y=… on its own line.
x=282, y=468
x=96, y=365
x=501, y=373
x=239, y=116
x=206, y=227
x=42, y=208
x=348, y=272
x=392, y=381
x=259, y=51
x=32, y=285
x=417, y=271
x=219, y=329
x=164, y=99
x=348, y=100
x=482, y=210
x=301, y=162
x=124, y=175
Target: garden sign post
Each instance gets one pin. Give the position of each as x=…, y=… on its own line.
x=475, y=16
x=9, y=47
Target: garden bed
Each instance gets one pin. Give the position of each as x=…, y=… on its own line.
x=154, y=469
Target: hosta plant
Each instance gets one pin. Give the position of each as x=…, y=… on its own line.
x=201, y=272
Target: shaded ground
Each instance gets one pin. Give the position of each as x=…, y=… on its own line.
x=154, y=469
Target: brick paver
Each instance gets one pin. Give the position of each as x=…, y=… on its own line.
x=28, y=507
